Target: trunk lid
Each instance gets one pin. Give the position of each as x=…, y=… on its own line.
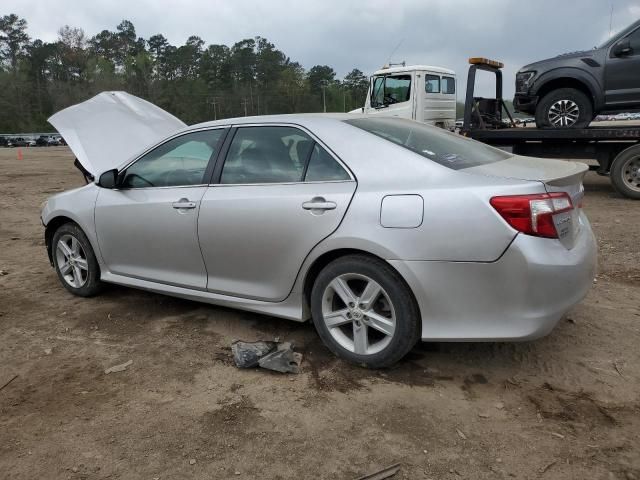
x=556, y=176
x=108, y=129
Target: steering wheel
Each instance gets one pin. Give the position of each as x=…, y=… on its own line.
x=388, y=99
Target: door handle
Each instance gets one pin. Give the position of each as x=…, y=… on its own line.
x=319, y=203
x=183, y=203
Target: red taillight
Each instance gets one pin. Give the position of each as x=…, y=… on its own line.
x=533, y=214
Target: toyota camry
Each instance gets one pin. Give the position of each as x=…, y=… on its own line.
x=383, y=231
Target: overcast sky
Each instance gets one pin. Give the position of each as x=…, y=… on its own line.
x=362, y=34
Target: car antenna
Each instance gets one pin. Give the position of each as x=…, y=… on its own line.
x=610, y=19
x=394, y=51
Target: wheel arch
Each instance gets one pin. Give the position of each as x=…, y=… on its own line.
x=327, y=257
x=50, y=230
x=571, y=79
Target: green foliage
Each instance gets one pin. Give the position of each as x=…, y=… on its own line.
x=193, y=81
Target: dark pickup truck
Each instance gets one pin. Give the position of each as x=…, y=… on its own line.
x=569, y=90
x=615, y=149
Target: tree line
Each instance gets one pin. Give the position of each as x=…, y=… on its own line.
x=194, y=81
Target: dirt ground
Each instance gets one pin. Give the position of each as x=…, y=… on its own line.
x=566, y=406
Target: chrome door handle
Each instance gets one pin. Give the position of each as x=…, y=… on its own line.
x=319, y=203
x=183, y=203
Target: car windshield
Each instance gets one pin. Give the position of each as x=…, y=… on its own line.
x=445, y=148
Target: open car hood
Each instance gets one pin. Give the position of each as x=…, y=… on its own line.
x=110, y=128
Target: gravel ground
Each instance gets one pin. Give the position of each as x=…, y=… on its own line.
x=566, y=406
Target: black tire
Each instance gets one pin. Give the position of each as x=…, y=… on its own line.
x=579, y=99
x=625, y=172
x=90, y=283
x=408, y=322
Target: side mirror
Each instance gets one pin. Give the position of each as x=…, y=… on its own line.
x=108, y=179
x=622, y=48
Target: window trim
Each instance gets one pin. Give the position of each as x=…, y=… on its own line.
x=214, y=180
x=207, y=172
x=434, y=77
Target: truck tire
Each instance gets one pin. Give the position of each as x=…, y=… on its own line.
x=625, y=172
x=564, y=108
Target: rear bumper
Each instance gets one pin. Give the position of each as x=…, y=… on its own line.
x=525, y=103
x=521, y=296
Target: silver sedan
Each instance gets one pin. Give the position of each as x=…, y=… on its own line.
x=383, y=231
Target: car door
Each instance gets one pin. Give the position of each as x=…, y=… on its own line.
x=278, y=193
x=622, y=73
x=147, y=226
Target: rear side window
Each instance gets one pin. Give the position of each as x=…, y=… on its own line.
x=442, y=147
x=432, y=83
x=448, y=85
x=323, y=167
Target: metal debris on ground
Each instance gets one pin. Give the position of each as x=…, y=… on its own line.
x=248, y=354
x=382, y=474
x=277, y=356
x=118, y=368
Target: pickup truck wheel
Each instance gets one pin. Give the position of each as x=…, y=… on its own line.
x=625, y=172
x=564, y=108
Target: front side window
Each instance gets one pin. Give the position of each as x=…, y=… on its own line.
x=432, y=83
x=634, y=42
x=182, y=161
x=390, y=89
x=433, y=143
x=267, y=155
x=448, y=85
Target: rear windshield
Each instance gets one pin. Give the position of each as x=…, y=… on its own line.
x=445, y=148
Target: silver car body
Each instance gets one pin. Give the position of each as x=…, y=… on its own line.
x=252, y=246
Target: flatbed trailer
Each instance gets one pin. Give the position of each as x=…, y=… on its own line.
x=615, y=149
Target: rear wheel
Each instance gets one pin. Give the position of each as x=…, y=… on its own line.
x=364, y=312
x=564, y=108
x=75, y=262
x=625, y=172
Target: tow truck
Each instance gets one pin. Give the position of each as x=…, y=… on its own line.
x=616, y=149
x=427, y=94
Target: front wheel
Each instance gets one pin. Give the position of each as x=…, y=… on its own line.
x=564, y=108
x=75, y=262
x=364, y=312
x=625, y=172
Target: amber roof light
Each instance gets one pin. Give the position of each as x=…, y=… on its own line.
x=485, y=61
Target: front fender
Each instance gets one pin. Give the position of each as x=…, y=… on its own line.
x=583, y=76
x=76, y=205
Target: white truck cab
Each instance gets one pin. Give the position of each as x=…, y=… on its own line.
x=419, y=92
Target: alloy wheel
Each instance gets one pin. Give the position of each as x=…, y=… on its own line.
x=564, y=113
x=358, y=314
x=71, y=260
